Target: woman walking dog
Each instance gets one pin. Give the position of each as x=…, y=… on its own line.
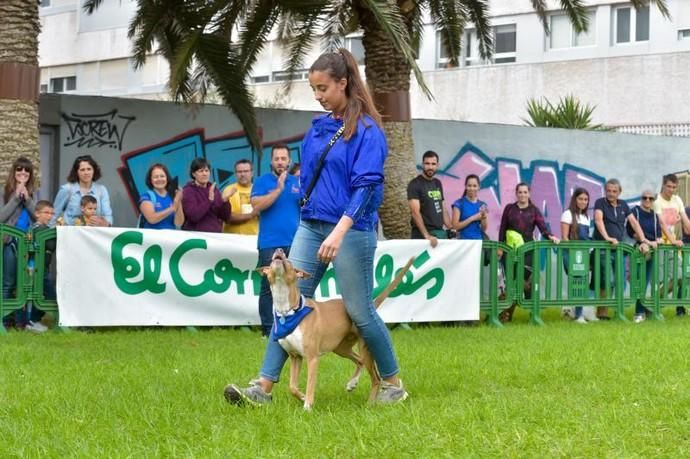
x=339, y=218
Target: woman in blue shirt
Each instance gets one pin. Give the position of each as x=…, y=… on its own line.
x=81, y=181
x=469, y=213
x=17, y=211
x=161, y=204
x=339, y=219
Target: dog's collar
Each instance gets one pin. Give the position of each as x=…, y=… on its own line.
x=292, y=311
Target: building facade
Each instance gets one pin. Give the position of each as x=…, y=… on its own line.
x=632, y=64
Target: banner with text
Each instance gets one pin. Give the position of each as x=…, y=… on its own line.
x=122, y=276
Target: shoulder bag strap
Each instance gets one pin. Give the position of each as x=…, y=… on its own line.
x=319, y=166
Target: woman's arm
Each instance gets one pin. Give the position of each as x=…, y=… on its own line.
x=106, y=209
x=179, y=212
x=150, y=214
x=8, y=209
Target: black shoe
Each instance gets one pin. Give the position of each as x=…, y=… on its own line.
x=680, y=311
x=603, y=318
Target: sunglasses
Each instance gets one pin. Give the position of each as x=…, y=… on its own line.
x=22, y=168
x=648, y=198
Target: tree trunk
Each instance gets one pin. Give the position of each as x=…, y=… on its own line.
x=388, y=77
x=19, y=83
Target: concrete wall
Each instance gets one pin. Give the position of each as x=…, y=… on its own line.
x=126, y=136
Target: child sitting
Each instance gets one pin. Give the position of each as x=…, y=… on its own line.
x=89, y=206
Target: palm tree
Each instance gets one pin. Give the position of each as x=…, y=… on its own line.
x=568, y=113
x=196, y=36
x=19, y=82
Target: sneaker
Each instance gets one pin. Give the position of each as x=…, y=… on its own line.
x=593, y=319
x=253, y=395
x=639, y=318
x=581, y=320
x=680, y=311
x=36, y=327
x=390, y=394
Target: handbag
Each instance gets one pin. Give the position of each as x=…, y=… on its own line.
x=319, y=166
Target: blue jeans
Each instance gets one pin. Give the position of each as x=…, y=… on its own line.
x=9, y=281
x=265, y=297
x=354, y=269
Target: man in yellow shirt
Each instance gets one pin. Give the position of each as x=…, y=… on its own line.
x=243, y=219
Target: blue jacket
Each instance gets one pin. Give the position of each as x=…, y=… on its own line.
x=349, y=165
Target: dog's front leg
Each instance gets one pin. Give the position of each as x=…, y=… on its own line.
x=295, y=365
x=312, y=368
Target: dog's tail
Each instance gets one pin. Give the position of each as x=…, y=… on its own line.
x=392, y=286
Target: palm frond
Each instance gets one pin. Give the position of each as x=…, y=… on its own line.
x=298, y=46
x=478, y=11
x=450, y=23
x=576, y=12
x=661, y=5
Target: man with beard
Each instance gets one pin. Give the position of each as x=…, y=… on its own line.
x=243, y=219
x=275, y=196
x=425, y=197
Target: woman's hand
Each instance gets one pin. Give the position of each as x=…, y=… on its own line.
x=177, y=202
x=97, y=221
x=211, y=192
x=554, y=239
x=330, y=246
x=21, y=191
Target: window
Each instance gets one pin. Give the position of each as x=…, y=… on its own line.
x=505, y=46
x=354, y=45
x=44, y=3
x=505, y=38
x=442, y=55
x=631, y=25
x=563, y=35
x=63, y=84
x=684, y=34
x=261, y=79
x=44, y=88
x=283, y=76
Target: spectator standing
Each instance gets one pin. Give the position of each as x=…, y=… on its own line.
x=81, y=181
x=339, y=219
x=610, y=218
x=203, y=206
x=17, y=211
x=470, y=215
x=161, y=204
x=671, y=210
x=427, y=207
x=651, y=228
x=276, y=197
x=244, y=219
x=575, y=225
x=518, y=222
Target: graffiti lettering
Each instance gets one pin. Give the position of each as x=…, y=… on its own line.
x=106, y=129
x=551, y=186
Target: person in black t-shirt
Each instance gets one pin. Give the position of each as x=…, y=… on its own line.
x=425, y=197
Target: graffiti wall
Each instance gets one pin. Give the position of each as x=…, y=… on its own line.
x=126, y=136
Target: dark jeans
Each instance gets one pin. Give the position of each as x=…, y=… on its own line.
x=265, y=297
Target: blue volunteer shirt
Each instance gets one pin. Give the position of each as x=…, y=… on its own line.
x=467, y=209
x=162, y=203
x=278, y=223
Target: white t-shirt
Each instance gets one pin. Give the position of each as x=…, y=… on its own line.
x=669, y=212
x=567, y=218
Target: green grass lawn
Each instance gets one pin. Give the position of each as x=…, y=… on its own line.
x=596, y=390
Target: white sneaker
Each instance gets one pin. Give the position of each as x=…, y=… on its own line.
x=581, y=320
x=639, y=318
x=36, y=327
x=593, y=319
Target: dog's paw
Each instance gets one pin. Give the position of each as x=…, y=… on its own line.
x=351, y=385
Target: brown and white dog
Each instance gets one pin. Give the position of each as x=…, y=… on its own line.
x=327, y=328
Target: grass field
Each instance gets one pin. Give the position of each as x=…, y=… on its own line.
x=596, y=390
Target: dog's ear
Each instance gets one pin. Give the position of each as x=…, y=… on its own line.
x=302, y=274
x=264, y=270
